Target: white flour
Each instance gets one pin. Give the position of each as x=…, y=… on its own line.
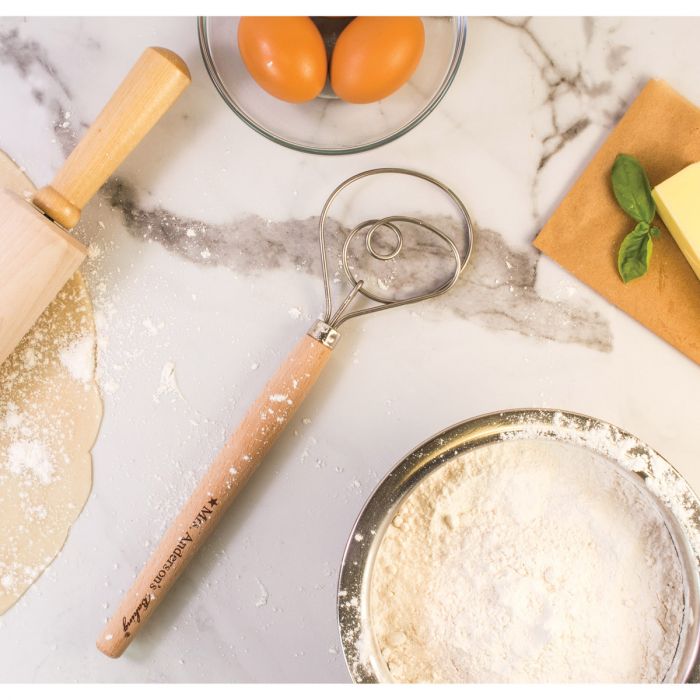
x=31, y=458
x=168, y=383
x=527, y=561
x=79, y=358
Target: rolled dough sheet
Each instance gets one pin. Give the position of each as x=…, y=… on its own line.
x=50, y=412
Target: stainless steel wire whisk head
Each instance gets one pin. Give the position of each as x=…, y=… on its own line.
x=326, y=330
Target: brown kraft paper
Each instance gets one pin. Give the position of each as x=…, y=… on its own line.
x=662, y=130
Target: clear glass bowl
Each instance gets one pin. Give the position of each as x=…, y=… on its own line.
x=328, y=125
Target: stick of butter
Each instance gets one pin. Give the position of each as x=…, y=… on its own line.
x=678, y=203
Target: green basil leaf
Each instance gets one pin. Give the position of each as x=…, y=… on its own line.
x=635, y=253
x=654, y=231
x=631, y=188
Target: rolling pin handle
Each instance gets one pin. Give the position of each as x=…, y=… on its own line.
x=150, y=88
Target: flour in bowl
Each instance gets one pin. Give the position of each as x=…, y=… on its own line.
x=527, y=561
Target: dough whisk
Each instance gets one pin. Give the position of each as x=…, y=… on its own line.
x=274, y=408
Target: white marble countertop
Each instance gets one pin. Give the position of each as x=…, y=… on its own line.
x=528, y=108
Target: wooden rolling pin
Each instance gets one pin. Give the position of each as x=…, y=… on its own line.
x=37, y=255
x=238, y=459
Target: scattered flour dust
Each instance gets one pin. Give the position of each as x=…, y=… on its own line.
x=527, y=561
x=49, y=415
x=263, y=595
x=79, y=358
x=30, y=458
x=168, y=383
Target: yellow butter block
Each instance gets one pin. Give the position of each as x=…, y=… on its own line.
x=678, y=203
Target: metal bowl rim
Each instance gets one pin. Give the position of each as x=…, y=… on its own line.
x=356, y=555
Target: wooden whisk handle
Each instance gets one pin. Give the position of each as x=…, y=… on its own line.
x=149, y=89
x=227, y=475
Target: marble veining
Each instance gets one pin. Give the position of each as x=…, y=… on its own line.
x=497, y=290
x=49, y=89
x=574, y=97
x=24, y=55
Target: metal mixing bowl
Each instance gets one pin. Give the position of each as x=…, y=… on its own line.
x=665, y=487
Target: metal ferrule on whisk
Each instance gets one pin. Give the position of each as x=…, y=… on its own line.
x=324, y=333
